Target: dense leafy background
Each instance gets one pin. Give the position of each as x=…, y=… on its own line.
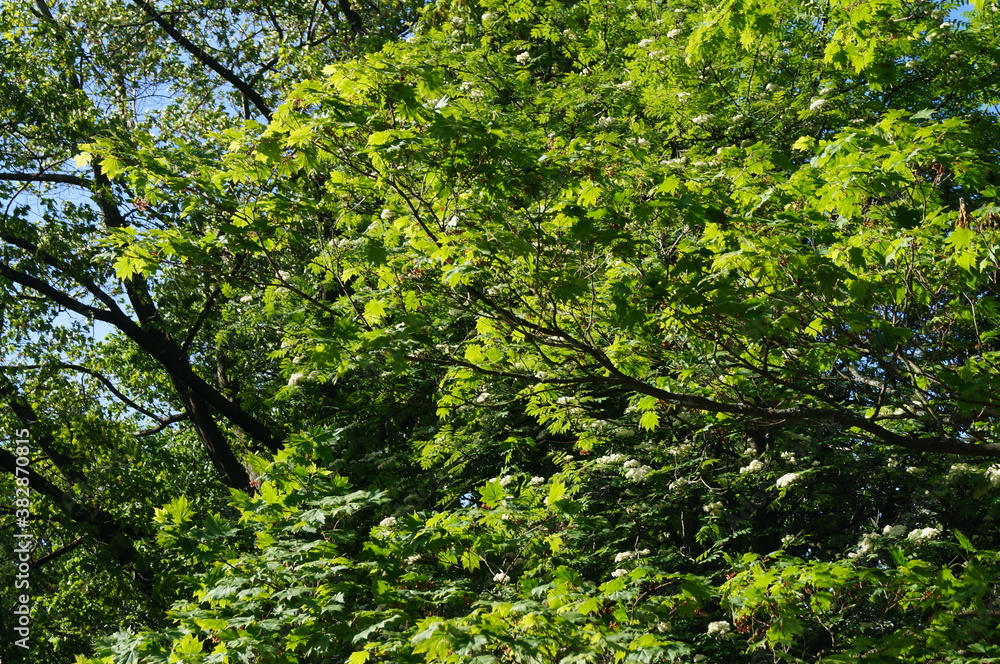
x=518, y=332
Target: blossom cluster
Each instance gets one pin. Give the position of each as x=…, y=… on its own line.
x=629, y=555
x=719, y=628
x=921, y=534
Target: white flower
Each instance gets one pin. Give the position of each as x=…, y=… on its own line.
x=506, y=480
x=919, y=534
x=294, y=379
x=488, y=16
x=605, y=121
x=387, y=522
x=702, y=119
x=618, y=573
x=867, y=544
x=674, y=33
x=786, y=479
x=682, y=96
x=739, y=117
x=655, y=54
x=388, y=214
x=915, y=470
x=679, y=484
x=414, y=559
x=946, y=25
x=911, y=64
x=788, y=539
x=700, y=658
x=500, y=577
x=623, y=556
x=537, y=480
x=625, y=85
x=993, y=474
x=246, y=299
x=482, y=397
x=632, y=463
x=754, y=466
x=638, y=474
x=894, y=531
x=714, y=509
x=645, y=42
x=522, y=57
x=719, y=628
x=817, y=104
x=611, y=458
x=457, y=21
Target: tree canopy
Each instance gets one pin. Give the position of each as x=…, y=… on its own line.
x=594, y=331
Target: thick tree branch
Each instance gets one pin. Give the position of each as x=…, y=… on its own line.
x=26, y=414
x=204, y=58
x=55, y=295
x=164, y=423
x=57, y=178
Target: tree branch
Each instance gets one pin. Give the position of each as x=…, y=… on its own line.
x=59, y=178
x=204, y=58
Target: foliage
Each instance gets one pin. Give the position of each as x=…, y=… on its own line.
x=617, y=332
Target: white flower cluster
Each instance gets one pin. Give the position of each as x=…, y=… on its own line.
x=715, y=509
x=894, y=531
x=754, y=466
x=702, y=119
x=506, y=480
x=679, y=484
x=674, y=33
x=637, y=473
x=719, y=628
x=817, y=104
x=634, y=470
x=921, y=534
x=786, y=480
x=500, y=577
x=629, y=555
x=993, y=474
x=388, y=522
x=537, y=480
x=866, y=545
x=618, y=573
x=523, y=57
x=645, y=42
